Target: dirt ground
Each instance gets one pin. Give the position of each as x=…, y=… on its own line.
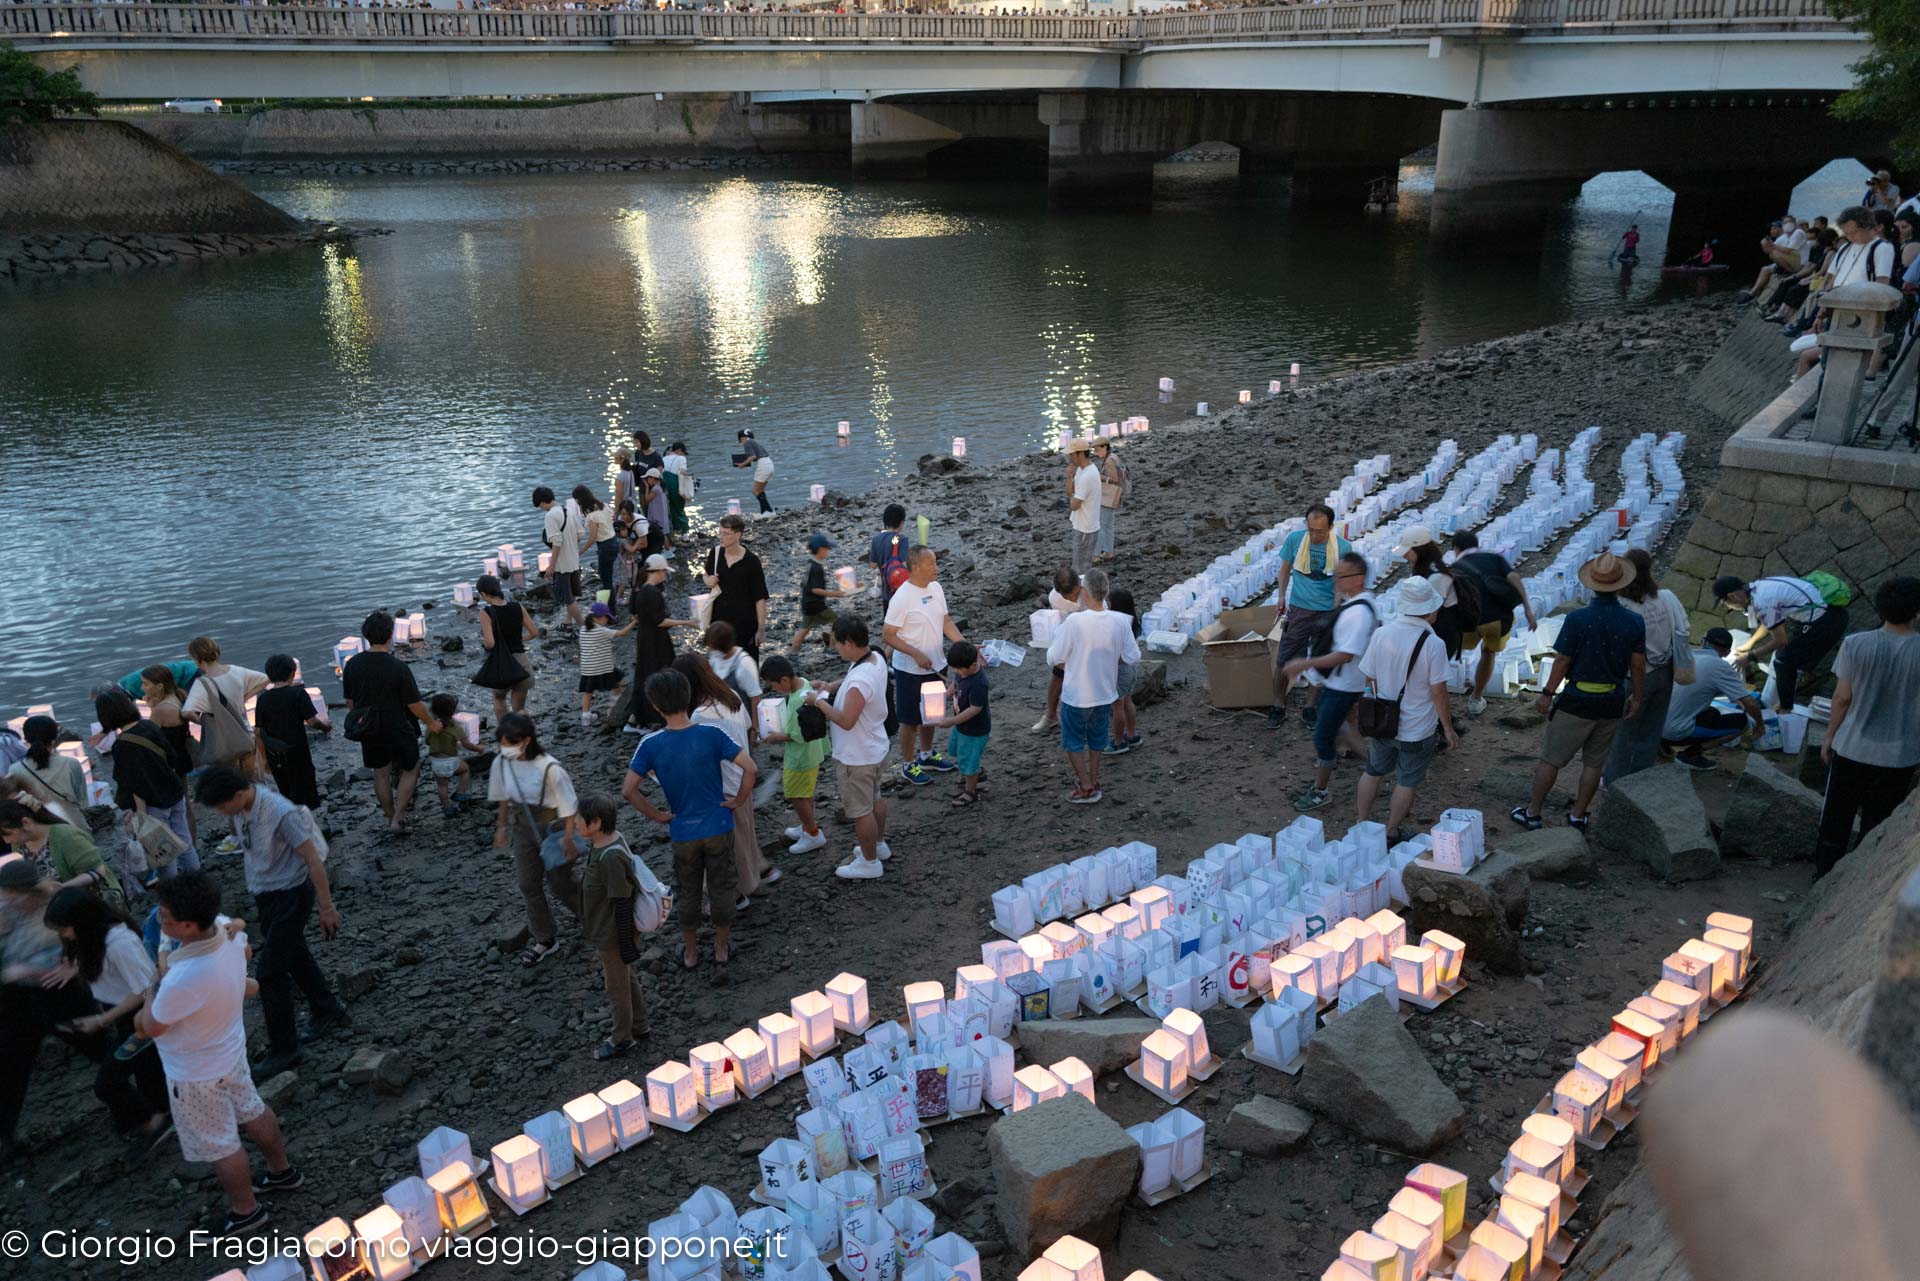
x=493, y=1045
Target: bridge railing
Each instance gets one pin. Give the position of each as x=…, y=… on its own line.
x=43, y=25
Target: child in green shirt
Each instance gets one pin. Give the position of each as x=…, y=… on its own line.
x=800, y=768
x=443, y=754
x=607, y=891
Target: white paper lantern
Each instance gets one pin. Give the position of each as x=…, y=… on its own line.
x=1556, y=1134
x=814, y=1013
x=959, y=446
x=1609, y=1073
x=1246, y=397
x=670, y=1094
x=845, y=429
x=1391, y=928
x=1074, y=1260
x=1448, y=1189
x=712, y=1075
x=1201, y=410
x=590, y=1126
x=923, y=999
x=784, y=1163
x=347, y=647
x=1033, y=1085
x=1346, y=948
x=1075, y=1076
x=441, y=1148
x=733, y=507
x=490, y=566
x=848, y=993
x=1450, y=950
x=1371, y=1256
x=545, y=560
x=1667, y=1017
x=1424, y=1213
x=1416, y=972
x=1156, y=1157
x=412, y=1199
x=626, y=1105
x=1154, y=904
x=1164, y=1062
x=752, y=1061
x=1627, y=1052
x=1276, y=1035
x=1293, y=370
x=1125, y=919
x=781, y=1032
x=1188, y=1133
x=968, y=977
x=1543, y=1194
x=1580, y=1101
x=1503, y=1244
x=383, y=1241
x=1294, y=972
x=333, y=1252
x=518, y=1172
x=458, y=1200
x=555, y=1137
x=951, y=1257
x=1326, y=966
x=996, y=1060
x=1192, y=1033
x=463, y=594
x=1273, y=386
x=815, y=493
x=1738, y=946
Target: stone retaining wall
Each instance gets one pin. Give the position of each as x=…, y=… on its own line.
x=28, y=258
x=425, y=168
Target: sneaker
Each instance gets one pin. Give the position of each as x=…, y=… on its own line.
x=915, y=775
x=586, y=718
x=773, y=877
x=938, y=762
x=885, y=851
x=235, y=1224
x=1694, y=758
x=860, y=869
x=795, y=833
x=1580, y=824
x=808, y=844
x=612, y=1049
x=1522, y=818
x=741, y=904
x=1476, y=705
x=1134, y=740
x=1311, y=799
x=227, y=846
x=631, y=728
x=1042, y=725
x=266, y=1183
x=1276, y=716
x=1118, y=748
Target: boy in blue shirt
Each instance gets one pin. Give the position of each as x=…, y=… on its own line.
x=685, y=760
x=970, y=719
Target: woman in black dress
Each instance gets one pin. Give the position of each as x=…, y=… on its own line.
x=652, y=640
x=281, y=714
x=505, y=629
x=739, y=585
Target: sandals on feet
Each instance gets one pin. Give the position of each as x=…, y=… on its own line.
x=965, y=799
x=534, y=953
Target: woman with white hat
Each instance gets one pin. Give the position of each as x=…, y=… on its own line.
x=1406, y=665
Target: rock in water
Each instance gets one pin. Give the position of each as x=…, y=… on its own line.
x=938, y=464
x=1104, y=1045
x=1061, y=1168
x=1772, y=815
x=1483, y=908
x=1266, y=1127
x=1364, y=1071
x=1656, y=817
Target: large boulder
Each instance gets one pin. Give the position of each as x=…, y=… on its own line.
x=1549, y=854
x=1149, y=682
x=1104, y=1045
x=1265, y=1126
x=1061, y=1168
x=1365, y=1072
x=1655, y=816
x=1772, y=815
x=1482, y=908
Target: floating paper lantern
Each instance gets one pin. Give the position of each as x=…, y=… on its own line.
x=1273, y=387
x=334, y=1253
x=815, y=493
x=490, y=566
x=1450, y=951
x=848, y=993
x=1246, y=397
x=733, y=507
x=590, y=1126
x=782, y=1035
x=959, y=446
x=1166, y=384
x=517, y=1172
x=712, y=1075
x=1076, y=1076
x=670, y=1094
x=1371, y=1256
x=1448, y=1188
x=1201, y=410
x=463, y=594
x=441, y=1148
x=457, y=1199
x=814, y=1013
x=345, y=649
x=1293, y=370
x=626, y=1105
x=1033, y=1085
x=1164, y=1061
x=933, y=701
x=551, y=1131
x=383, y=1239
x=845, y=429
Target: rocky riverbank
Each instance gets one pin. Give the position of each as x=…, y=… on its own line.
x=566, y=164
x=24, y=259
x=475, y=1042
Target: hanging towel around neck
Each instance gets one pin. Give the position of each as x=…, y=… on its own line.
x=1336, y=548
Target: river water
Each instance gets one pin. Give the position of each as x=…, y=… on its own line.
x=265, y=450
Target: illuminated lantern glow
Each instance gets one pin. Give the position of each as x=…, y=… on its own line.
x=1033, y=1085
x=1503, y=1244
x=1371, y=1257
x=671, y=1096
x=1192, y=1033
x=457, y=1199
x=1154, y=904
x=555, y=1137
x=626, y=1105
x=1580, y=1101
x=383, y=1240
x=1605, y=1072
x=1543, y=1194
x=1555, y=1133
x=590, y=1126
x=412, y=1200
x=1668, y=1017
x=1391, y=929
x=1626, y=1051
x=1416, y=970
x=712, y=1075
x=781, y=1032
x=923, y=999
x=1075, y=1076
x=1449, y=1189
x=752, y=1062
x=1409, y=1242
x=1164, y=1062
x=334, y=1253
x=1647, y=1032
x=1688, y=1004
x=1424, y=1213
x=933, y=701
x=814, y=1013
x=848, y=993
x=968, y=977
x=1451, y=952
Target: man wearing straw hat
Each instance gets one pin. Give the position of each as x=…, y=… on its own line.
x=1598, y=679
x=1083, y=497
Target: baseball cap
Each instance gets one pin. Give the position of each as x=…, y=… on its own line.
x=653, y=473
x=656, y=561
x=600, y=610
x=1418, y=536
x=817, y=541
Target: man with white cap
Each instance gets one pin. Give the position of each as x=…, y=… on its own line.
x=1083, y=497
x=1406, y=664
x=1598, y=679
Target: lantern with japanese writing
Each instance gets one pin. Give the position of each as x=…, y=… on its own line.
x=590, y=1125
x=1556, y=1134
x=783, y=1163
x=458, y=1201
x=848, y=993
x=557, y=1163
x=712, y=1075
x=1581, y=1101
x=814, y=1013
x=626, y=1105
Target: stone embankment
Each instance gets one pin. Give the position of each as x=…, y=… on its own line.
x=27, y=258
x=572, y=164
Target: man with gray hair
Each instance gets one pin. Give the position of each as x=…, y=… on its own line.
x=1090, y=644
x=916, y=632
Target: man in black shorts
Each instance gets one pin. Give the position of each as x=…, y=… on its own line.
x=383, y=704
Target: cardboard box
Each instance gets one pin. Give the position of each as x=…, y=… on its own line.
x=1240, y=672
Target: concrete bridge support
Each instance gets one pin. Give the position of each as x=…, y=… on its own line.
x=1101, y=147
x=896, y=139
x=1502, y=172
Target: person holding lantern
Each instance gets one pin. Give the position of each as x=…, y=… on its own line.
x=916, y=631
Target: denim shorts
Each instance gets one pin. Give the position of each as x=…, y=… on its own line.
x=1329, y=714
x=1407, y=762
x=1124, y=680
x=1084, y=729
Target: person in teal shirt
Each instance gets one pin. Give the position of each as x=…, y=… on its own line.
x=184, y=670
x=1307, y=558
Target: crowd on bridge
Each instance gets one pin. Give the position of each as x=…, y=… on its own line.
x=116, y=940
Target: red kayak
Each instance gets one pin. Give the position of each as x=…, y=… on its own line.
x=1693, y=269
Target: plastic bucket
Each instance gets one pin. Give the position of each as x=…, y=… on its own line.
x=1793, y=731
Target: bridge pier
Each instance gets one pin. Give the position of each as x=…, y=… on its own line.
x=900, y=139
x=1092, y=159
x=1501, y=173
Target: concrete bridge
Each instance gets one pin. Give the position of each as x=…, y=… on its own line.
x=1527, y=98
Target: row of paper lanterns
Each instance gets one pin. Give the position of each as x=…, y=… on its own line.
x=1539, y=1178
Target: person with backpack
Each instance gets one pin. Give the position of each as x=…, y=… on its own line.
x=562, y=528
x=284, y=857
x=283, y=714
x=804, y=736
x=1406, y=658
x=1500, y=590
x=887, y=552
x=1812, y=610
x=1307, y=558
x=1116, y=486
x=608, y=887
x=383, y=704
x=1332, y=662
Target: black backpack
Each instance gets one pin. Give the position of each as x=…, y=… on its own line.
x=1320, y=643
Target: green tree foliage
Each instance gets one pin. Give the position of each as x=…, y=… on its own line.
x=29, y=93
x=1889, y=76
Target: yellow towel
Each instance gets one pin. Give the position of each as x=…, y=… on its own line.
x=1303, y=559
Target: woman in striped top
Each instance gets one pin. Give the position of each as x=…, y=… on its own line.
x=597, y=671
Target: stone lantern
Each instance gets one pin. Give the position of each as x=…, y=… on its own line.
x=1856, y=329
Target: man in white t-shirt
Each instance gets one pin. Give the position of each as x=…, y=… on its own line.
x=1083, y=497
x=1784, y=605
x=1405, y=659
x=194, y=1016
x=1090, y=644
x=1785, y=246
x=1336, y=670
x=561, y=527
x=916, y=633
x=857, y=724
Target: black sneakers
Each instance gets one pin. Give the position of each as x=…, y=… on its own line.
x=266, y=1182
x=235, y=1224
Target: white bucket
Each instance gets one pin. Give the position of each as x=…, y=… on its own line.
x=1793, y=731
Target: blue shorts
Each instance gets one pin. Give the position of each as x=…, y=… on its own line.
x=1084, y=729
x=967, y=750
x=1329, y=715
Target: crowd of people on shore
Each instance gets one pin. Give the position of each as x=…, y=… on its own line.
x=126, y=955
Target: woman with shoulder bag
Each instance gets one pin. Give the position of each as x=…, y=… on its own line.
x=536, y=813
x=505, y=629
x=739, y=584
x=147, y=789
x=63, y=852
x=1116, y=485
x=1636, y=745
x=55, y=782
